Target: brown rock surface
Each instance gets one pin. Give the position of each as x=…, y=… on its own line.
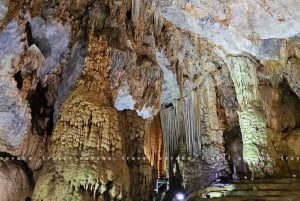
x=211, y=85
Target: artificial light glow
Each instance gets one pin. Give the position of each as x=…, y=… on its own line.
x=180, y=196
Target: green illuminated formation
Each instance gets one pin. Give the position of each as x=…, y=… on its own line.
x=252, y=121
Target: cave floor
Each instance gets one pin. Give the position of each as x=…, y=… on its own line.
x=283, y=189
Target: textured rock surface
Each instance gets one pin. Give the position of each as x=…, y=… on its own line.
x=154, y=148
x=71, y=72
x=15, y=183
x=95, y=139
x=268, y=189
x=213, y=84
x=252, y=121
x=14, y=114
x=52, y=39
x=3, y=9
x=236, y=25
x=99, y=135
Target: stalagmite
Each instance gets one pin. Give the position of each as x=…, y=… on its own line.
x=118, y=86
x=252, y=121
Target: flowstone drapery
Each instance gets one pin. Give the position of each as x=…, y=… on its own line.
x=193, y=137
x=85, y=78
x=87, y=156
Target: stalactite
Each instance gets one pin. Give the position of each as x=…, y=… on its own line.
x=202, y=136
x=170, y=128
x=182, y=121
x=192, y=123
x=153, y=148
x=210, y=116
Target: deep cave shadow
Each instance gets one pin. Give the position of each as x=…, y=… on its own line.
x=234, y=154
x=175, y=187
x=41, y=111
x=27, y=199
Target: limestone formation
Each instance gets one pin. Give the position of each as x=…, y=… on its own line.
x=16, y=182
x=98, y=98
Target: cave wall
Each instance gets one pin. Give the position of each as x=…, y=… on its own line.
x=214, y=84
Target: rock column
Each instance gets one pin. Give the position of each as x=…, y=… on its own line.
x=251, y=118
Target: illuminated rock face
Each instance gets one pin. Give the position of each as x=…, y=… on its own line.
x=154, y=148
x=213, y=83
x=90, y=134
x=88, y=126
x=252, y=121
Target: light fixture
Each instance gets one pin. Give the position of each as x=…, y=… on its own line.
x=179, y=197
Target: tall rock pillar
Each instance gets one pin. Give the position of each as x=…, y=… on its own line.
x=252, y=120
x=87, y=148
